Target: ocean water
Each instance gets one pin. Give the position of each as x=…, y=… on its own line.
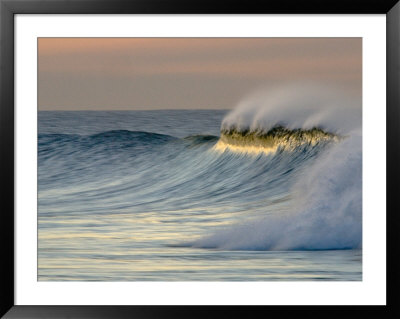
x=165, y=196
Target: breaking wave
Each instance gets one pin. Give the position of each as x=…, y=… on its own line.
x=325, y=210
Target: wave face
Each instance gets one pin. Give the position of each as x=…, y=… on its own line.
x=324, y=213
x=271, y=177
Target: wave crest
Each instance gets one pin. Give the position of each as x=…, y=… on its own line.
x=278, y=137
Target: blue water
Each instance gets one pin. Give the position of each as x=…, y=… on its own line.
x=144, y=195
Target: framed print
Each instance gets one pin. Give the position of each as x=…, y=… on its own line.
x=167, y=159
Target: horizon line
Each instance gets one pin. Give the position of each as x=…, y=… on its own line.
x=125, y=110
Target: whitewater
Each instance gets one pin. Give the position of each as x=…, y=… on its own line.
x=271, y=190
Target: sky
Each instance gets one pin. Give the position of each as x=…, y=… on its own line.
x=186, y=73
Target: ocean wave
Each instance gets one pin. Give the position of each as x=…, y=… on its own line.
x=325, y=211
x=304, y=195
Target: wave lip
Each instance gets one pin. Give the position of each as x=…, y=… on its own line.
x=279, y=137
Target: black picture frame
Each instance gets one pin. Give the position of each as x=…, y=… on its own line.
x=8, y=8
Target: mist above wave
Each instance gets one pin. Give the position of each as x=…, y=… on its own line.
x=296, y=106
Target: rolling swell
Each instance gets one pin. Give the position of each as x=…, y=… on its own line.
x=155, y=172
x=118, y=137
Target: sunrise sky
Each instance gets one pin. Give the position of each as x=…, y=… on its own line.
x=186, y=73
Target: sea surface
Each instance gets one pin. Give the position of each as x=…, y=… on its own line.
x=159, y=196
